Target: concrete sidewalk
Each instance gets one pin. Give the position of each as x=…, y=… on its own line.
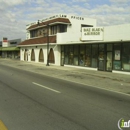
x=104, y=80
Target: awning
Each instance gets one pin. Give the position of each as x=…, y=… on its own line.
x=9, y=49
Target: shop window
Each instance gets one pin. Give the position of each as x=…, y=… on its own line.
x=76, y=53
x=82, y=55
x=101, y=47
x=71, y=54
x=126, y=57
x=66, y=54
x=109, y=47
x=62, y=48
x=117, y=65
x=94, y=56
x=51, y=56
x=117, y=57
x=88, y=56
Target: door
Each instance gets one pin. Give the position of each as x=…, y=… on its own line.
x=101, y=57
x=101, y=61
x=109, y=61
x=62, y=58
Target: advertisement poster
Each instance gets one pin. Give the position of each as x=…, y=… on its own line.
x=117, y=54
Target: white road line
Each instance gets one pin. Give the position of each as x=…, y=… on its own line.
x=46, y=87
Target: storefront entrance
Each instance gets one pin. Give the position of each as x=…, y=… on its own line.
x=101, y=61
x=109, y=61
x=105, y=57
x=109, y=49
x=101, y=57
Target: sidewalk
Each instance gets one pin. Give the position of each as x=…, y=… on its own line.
x=99, y=79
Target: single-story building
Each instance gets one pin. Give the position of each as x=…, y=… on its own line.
x=9, y=49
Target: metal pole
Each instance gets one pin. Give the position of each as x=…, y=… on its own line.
x=47, y=45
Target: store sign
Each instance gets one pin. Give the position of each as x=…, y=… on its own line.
x=76, y=17
x=46, y=19
x=5, y=42
x=92, y=33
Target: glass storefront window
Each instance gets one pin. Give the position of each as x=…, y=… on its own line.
x=66, y=49
x=101, y=47
x=114, y=56
x=62, y=48
x=117, y=51
x=71, y=54
x=117, y=65
x=82, y=55
x=76, y=53
x=88, y=56
x=126, y=57
x=117, y=57
x=94, y=56
x=109, y=47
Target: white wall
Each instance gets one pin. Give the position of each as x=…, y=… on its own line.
x=55, y=48
x=21, y=54
x=5, y=44
x=117, y=32
x=67, y=37
x=73, y=33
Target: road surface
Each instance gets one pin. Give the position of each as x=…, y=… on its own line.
x=30, y=101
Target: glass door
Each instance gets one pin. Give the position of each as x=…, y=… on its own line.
x=62, y=58
x=62, y=55
x=101, y=57
x=101, y=61
x=109, y=57
x=109, y=61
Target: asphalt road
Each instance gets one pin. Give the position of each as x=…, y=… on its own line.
x=30, y=101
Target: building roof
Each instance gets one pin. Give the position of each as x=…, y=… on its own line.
x=41, y=40
x=57, y=20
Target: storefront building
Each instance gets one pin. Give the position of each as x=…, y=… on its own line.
x=101, y=56
x=9, y=49
x=78, y=42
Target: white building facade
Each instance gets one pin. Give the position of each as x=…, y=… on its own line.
x=77, y=42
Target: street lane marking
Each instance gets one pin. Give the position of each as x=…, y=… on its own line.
x=46, y=87
x=2, y=126
x=89, y=85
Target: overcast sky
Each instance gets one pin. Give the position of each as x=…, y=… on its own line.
x=16, y=14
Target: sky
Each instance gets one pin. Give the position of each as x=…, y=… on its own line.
x=16, y=14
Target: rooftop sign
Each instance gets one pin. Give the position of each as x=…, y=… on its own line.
x=56, y=16
x=5, y=42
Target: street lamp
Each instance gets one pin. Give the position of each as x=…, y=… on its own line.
x=47, y=42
